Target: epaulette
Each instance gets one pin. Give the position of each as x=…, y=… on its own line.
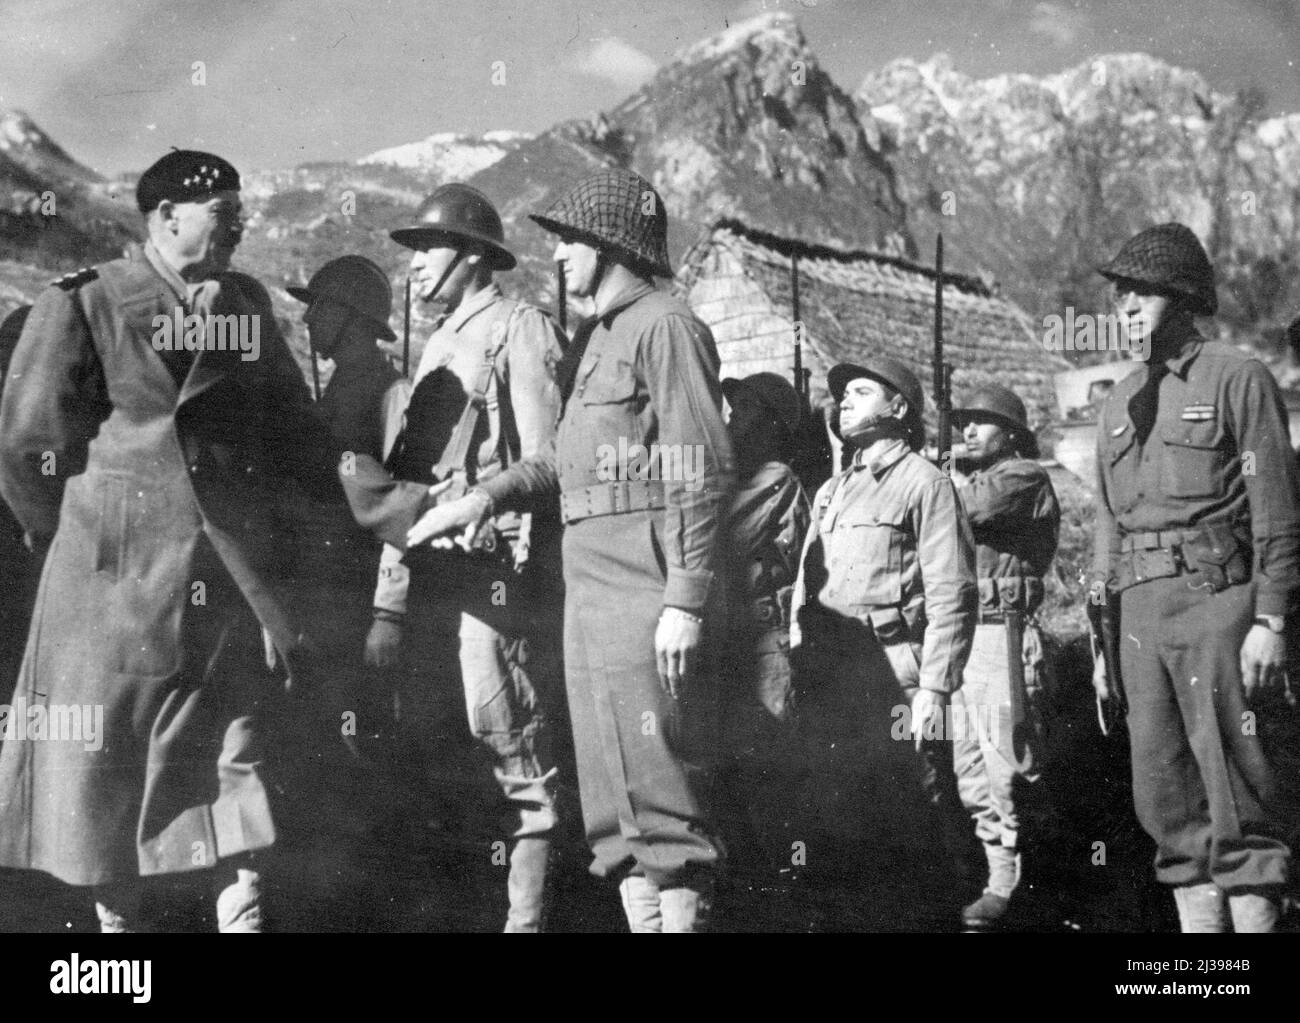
x=74, y=280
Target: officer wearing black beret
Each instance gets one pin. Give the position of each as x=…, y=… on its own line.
x=152, y=472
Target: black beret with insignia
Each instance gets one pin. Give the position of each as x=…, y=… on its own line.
x=184, y=175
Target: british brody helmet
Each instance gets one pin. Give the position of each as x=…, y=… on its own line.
x=616, y=210
x=458, y=211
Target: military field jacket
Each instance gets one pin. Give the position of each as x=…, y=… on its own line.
x=1015, y=518
x=890, y=547
x=646, y=374
x=1219, y=453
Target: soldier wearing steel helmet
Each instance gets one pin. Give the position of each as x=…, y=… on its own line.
x=765, y=529
x=348, y=305
x=1014, y=518
x=1198, y=538
x=885, y=600
x=485, y=397
x=642, y=564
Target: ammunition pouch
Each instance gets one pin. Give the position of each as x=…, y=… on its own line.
x=1214, y=551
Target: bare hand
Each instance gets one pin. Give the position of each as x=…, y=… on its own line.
x=1263, y=661
x=465, y=514
x=383, y=645
x=928, y=706
x=677, y=640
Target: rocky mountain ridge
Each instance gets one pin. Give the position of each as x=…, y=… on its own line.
x=1033, y=180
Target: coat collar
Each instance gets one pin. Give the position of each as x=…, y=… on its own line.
x=143, y=293
x=470, y=308
x=880, y=457
x=622, y=299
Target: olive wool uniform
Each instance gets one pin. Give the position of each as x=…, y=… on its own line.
x=1198, y=528
x=646, y=762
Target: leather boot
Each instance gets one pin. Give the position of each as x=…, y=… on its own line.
x=641, y=904
x=529, y=869
x=986, y=912
x=1256, y=912
x=686, y=910
x=118, y=908
x=1203, y=909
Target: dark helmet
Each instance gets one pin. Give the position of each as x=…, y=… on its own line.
x=463, y=212
x=772, y=391
x=357, y=283
x=893, y=372
x=1170, y=257
x=615, y=209
x=999, y=403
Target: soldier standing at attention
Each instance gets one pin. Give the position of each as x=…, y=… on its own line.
x=1198, y=533
x=349, y=301
x=886, y=597
x=1014, y=516
x=485, y=396
x=644, y=471
x=766, y=525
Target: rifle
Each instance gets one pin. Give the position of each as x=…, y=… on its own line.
x=811, y=457
x=1103, y=616
x=315, y=376
x=406, y=329
x=941, y=370
x=562, y=300
x=800, y=375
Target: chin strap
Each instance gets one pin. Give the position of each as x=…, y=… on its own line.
x=460, y=254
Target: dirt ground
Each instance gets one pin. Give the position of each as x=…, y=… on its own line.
x=361, y=853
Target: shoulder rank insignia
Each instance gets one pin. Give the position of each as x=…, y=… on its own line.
x=1198, y=413
x=74, y=280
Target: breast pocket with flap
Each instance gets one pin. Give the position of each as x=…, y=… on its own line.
x=873, y=542
x=1194, y=460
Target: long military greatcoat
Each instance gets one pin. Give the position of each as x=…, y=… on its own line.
x=159, y=504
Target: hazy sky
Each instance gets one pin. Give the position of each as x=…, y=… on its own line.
x=295, y=80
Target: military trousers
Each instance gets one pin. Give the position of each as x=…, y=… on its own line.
x=938, y=776
x=1214, y=777
x=996, y=758
x=767, y=765
x=647, y=763
x=470, y=631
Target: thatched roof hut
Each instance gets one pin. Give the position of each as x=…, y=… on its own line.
x=854, y=305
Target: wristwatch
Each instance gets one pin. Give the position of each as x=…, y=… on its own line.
x=1274, y=623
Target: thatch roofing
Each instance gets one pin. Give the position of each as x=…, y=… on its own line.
x=855, y=304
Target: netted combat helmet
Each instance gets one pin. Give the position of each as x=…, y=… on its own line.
x=1169, y=257
x=618, y=210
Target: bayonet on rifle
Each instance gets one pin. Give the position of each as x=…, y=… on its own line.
x=406, y=330
x=801, y=375
x=941, y=370
x=562, y=299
